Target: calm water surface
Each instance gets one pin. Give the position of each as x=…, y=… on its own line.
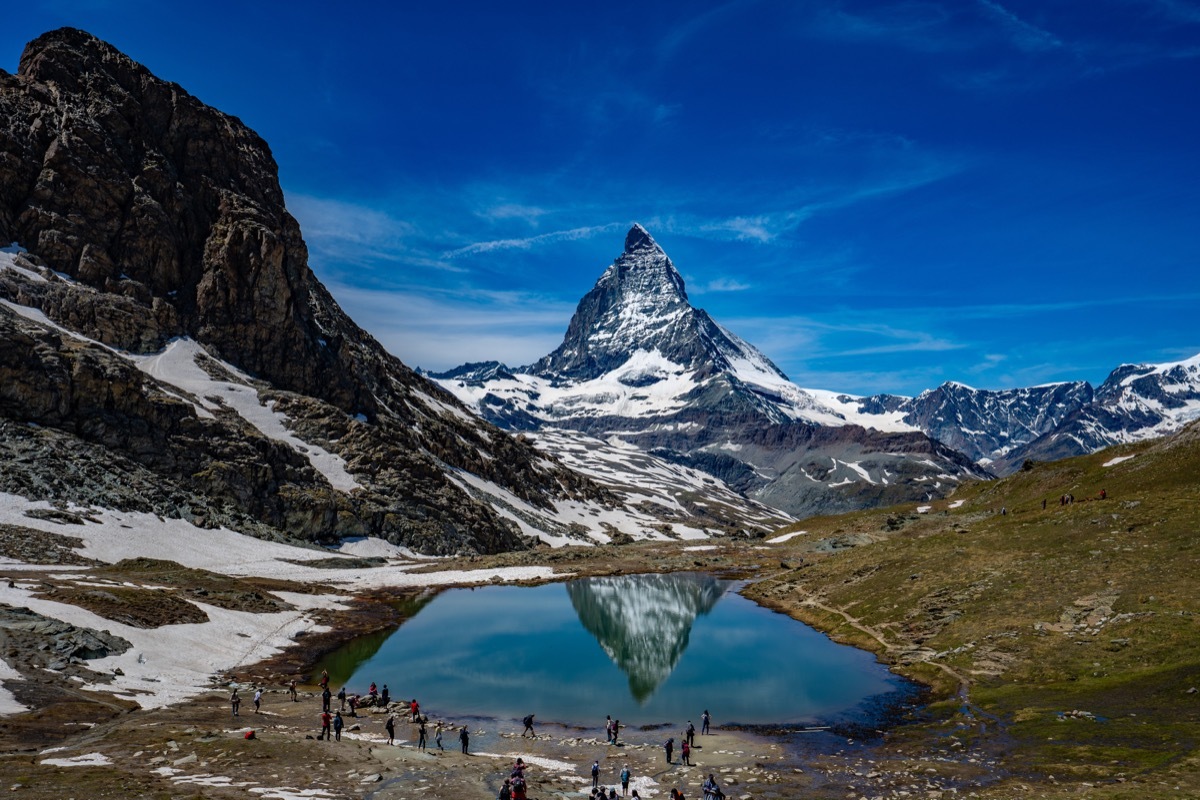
x=646, y=649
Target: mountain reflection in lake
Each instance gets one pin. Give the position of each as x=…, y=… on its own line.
x=644, y=648
x=643, y=623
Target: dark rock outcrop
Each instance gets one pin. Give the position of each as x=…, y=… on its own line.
x=164, y=218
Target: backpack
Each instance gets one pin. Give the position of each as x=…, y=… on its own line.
x=528, y=721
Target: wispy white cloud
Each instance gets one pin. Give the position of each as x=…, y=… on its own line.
x=916, y=25
x=356, y=227
x=759, y=229
x=919, y=343
x=723, y=285
x=440, y=330
x=529, y=242
x=350, y=233
x=685, y=32
x=531, y=215
x=1179, y=11
x=1025, y=35
x=989, y=362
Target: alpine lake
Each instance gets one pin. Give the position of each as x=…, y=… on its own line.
x=649, y=650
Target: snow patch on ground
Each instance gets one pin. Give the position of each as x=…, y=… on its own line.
x=8, y=703
x=785, y=537
x=924, y=509
x=88, y=760
x=1112, y=462
x=374, y=547
x=957, y=504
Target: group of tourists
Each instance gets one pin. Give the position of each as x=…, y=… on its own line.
x=515, y=786
x=332, y=722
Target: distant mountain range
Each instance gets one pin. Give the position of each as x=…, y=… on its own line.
x=640, y=365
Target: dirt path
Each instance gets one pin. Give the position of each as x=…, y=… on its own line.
x=964, y=684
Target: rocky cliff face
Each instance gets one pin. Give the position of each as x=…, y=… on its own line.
x=148, y=216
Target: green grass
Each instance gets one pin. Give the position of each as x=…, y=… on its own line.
x=1092, y=605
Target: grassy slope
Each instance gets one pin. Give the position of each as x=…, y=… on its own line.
x=1089, y=606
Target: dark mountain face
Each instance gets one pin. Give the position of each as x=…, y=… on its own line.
x=148, y=216
x=133, y=187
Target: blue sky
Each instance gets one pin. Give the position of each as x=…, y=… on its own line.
x=880, y=196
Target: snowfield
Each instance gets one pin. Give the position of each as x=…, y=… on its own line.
x=174, y=662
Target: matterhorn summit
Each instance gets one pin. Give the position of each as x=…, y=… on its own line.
x=640, y=305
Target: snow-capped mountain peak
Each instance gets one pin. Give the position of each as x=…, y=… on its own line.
x=640, y=365
x=640, y=303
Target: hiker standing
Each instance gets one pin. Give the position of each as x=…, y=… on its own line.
x=326, y=696
x=415, y=709
x=463, y=737
x=690, y=734
x=337, y=725
x=257, y=700
x=324, y=678
x=625, y=780
x=390, y=727
x=528, y=726
x=595, y=774
x=421, y=735
x=685, y=752
x=234, y=702
x=670, y=748
x=292, y=690
x=519, y=784
x=704, y=720
x=437, y=736
x=385, y=697
x=325, y=720
x=342, y=699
